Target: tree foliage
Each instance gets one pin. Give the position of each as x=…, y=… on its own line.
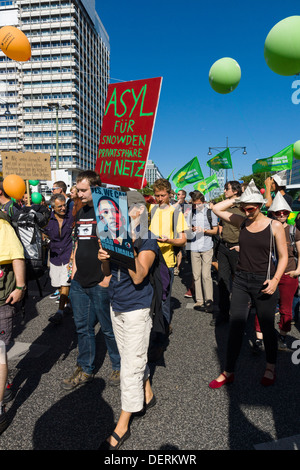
x=259, y=178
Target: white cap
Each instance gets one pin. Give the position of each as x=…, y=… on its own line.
x=279, y=204
x=251, y=195
x=280, y=178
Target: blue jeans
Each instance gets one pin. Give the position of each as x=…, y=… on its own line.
x=166, y=304
x=91, y=305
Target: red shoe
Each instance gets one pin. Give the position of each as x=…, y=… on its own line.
x=188, y=294
x=227, y=380
x=266, y=381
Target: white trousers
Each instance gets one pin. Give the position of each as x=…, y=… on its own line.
x=132, y=333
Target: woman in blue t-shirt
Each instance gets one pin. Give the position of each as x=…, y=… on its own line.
x=130, y=297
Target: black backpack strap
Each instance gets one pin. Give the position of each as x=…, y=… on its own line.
x=209, y=217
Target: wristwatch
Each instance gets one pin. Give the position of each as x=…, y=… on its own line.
x=22, y=288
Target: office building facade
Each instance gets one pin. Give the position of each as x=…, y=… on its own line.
x=54, y=103
x=152, y=172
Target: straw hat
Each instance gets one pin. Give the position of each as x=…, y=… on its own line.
x=279, y=204
x=251, y=195
x=280, y=178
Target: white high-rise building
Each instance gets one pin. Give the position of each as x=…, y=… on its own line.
x=221, y=177
x=152, y=172
x=54, y=103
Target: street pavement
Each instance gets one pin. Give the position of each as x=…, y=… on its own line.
x=188, y=416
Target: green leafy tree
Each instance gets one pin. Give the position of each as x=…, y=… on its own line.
x=259, y=179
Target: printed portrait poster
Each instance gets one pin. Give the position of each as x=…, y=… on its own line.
x=113, y=225
x=126, y=133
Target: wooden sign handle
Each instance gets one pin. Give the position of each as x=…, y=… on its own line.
x=28, y=193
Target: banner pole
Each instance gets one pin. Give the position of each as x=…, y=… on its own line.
x=28, y=192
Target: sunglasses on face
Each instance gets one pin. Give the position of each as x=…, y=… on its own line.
x=249, y=209
x=281, y=213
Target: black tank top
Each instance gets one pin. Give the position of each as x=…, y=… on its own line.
x=255, y=251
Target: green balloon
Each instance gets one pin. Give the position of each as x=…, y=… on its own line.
x=36, y=198
x=282, y=47
x=296, y=150
x=224, y=75
x=34, y=182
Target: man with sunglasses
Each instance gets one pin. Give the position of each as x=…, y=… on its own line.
x=60, y=187
x=59, y=231
x=227, y=254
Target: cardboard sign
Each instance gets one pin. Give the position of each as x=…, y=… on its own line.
x=113, y=225
x=126, y=134
x=27, y=165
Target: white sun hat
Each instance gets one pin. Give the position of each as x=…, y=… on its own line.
x=280, y=178
x=279, y=204
x=251, y=195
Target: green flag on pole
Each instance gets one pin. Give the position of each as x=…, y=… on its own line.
x=189, y=173
x=222, y=160
x=168, y=177
x=201, y=186
x=207, y=185
x=282, y=160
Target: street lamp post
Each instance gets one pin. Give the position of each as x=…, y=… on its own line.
x=57, y=106
x=223, y=148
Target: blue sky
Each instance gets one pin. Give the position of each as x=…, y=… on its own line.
x=180, y=41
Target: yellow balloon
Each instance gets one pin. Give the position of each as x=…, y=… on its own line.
x=14, y=44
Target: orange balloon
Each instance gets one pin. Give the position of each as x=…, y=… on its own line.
x=14, y=186
x=14, y=44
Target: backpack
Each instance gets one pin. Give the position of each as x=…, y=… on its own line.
x=28, y=224
x=160, y=280
x=4, y=216
x=9, y=207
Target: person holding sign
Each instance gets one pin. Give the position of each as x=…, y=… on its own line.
x=131, y=296
x=88, y=292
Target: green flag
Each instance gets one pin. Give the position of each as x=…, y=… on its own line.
x=207, y=185
x=201, y=186
x=222, y=160
x=282, y=160
x=189, y=173
x=168, y=177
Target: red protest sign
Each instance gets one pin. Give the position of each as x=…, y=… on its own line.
x=126, y=133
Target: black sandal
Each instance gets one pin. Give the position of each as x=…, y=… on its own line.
x=146, y=407
x=120, y=440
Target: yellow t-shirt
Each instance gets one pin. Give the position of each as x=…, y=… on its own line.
x=161, y=225
x=10, y=246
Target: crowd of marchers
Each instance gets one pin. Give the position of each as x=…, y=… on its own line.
x=245, y=242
